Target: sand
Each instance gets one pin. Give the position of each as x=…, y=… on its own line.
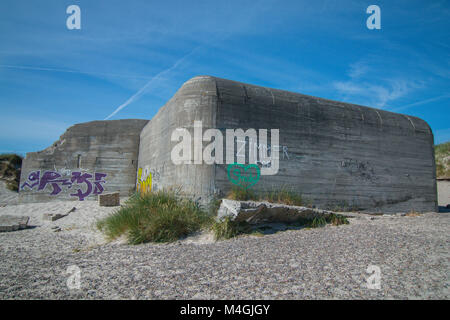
x=325, y=263
x=7, y=197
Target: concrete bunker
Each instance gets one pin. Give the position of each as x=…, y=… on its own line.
x=332, y=153
x=88, y=159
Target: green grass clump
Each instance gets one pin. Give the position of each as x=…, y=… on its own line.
x=284, y=195
x=155, y=217
x=317, y=222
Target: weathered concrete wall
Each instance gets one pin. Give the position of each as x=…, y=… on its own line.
x=336, y=154
x=93, y=157
x=196, y=100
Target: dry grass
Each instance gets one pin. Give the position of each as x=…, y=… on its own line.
x=412, y=213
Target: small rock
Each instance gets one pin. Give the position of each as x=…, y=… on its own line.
x=109, y=199
x=53, y=216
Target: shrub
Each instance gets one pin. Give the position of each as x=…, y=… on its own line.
x=10, y=170
x=12, y=185
x=13, y=159
x=159, y=216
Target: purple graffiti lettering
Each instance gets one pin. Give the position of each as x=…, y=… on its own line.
x=82, y=178
x=98, y=183
x=50, y=177
x=32, y=177
x=55, y=180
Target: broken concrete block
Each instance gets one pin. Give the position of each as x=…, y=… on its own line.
x=109, y=199
x=13, y=223
x=260, y=212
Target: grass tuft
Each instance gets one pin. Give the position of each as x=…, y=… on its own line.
x=159, y=216
x=412, y=213
x=282, y=195
x=227, y=229
x=336, y=219
x=241, y=194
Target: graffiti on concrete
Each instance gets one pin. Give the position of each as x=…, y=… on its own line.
x=244, y=176
x=56, y=181
x=255, y=147
x=148, y=179
x=360, y=169
x=144, y=181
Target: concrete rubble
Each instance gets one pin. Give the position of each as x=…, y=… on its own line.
x=255, y=212
x=13, y=223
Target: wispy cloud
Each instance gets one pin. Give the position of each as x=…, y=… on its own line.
x=422, y=102
x=377, y=95
x=358, y=69
x=73, y=71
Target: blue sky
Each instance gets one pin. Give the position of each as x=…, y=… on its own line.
x=138, y=53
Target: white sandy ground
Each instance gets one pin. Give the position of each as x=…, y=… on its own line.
x=324, y=263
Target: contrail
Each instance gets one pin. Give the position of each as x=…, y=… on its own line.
x=71, y=71
x=142, y=91
x=420, y=103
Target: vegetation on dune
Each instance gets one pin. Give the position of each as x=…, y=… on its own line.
x=280, y=195
x=10, y=165
x=442, y=157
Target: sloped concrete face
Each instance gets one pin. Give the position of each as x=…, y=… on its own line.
x=334, y=154
x=89, y=159
x=195, y=100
